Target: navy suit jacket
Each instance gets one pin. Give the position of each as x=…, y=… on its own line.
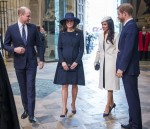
x=127, y=57
x=13, y=39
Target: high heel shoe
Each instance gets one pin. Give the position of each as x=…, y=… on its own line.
x=73, y=111
x=113, y=106
x=110, y=109
x=107, y=114
x=65, y=113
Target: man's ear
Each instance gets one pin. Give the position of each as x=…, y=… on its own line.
x=125, y=14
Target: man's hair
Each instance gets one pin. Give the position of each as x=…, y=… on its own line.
x=126, y=7
x=22, y=10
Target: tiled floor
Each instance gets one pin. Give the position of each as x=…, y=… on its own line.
x=90, y=102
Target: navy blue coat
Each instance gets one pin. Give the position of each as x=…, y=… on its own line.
x=127, y=58
x=13, y=39
x=70, y=49
x=8, y=112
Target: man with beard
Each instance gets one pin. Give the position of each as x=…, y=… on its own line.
x=127, y=64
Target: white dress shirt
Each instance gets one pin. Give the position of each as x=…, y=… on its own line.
x=20, y=28
x=127, y=21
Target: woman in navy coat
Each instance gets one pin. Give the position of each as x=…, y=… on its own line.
x=8, y=112
x=70, y=67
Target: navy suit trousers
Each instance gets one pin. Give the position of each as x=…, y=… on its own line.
x=131, y=89
x=26, y=80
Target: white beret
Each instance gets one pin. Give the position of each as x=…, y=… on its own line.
x=106, y=18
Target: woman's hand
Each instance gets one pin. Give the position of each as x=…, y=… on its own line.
x=73, y=65
x=64, y=65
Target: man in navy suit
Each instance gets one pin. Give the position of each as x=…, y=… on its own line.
x=128, y=64
x=21, y=39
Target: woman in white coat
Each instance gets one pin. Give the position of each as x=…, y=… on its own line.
x=106, y=55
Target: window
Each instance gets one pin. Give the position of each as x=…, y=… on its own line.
x=80, y=12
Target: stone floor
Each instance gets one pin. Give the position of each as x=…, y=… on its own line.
x=90, y=101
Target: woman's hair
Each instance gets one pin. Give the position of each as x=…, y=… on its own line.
x=111, y=31
x=64, y=27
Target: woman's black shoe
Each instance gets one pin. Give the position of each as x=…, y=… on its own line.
x=113, y=106
x=74, y=111
x=65, y=113
x=110, y=109
x=107, y=114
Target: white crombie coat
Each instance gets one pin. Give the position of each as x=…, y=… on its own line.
x=107, y=58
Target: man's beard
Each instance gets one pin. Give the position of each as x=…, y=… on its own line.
x=121, y=20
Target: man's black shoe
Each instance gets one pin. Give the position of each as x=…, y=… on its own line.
x=24, y=115
x=32, y=119
x=126, y=126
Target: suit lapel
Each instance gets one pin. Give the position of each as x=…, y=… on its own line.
x=128, y=23
x=121, y=35
x=28, y=32
x=17, y=31
x=124, y=29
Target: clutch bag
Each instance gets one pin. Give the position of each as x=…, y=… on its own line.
x=97, y=66
x=69, y=63
x=71, y=70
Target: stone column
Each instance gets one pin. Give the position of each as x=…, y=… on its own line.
x=34, y=7
x=40, y=12
x=62, y=8
x=57, y=10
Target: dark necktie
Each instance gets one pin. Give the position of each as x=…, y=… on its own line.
x=23, y=34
